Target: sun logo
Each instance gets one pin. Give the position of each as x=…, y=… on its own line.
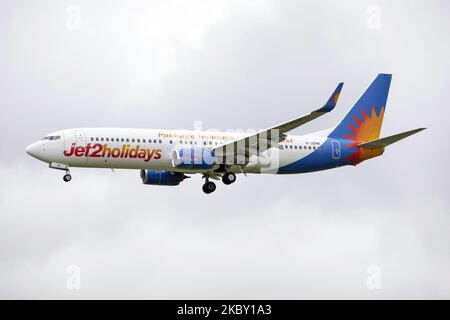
x=366, y=130
x=335, y=98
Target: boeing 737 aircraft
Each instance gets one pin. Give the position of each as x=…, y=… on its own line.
x=167, y=157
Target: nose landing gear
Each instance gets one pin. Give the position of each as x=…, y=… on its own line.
x=67, y=177
x=59, y=166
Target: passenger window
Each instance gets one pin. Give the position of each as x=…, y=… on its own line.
x=138, y=140
x=204, y=142
x=128, y=140
x=160, y=141
x=92, y=138
x=132, y=140
x=295, y=147
x=290, y=147
x=107, y=139
x=170, y=141
x=154, y=140
x=51, y=138
x=121, y=139
x=309, y=147
x=143, y=140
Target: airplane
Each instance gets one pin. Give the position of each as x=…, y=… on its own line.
x=167, y=157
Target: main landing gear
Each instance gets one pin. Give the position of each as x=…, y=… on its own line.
x=228, y=178
x=208, y=186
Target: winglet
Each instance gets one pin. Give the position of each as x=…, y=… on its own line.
x=331, y=103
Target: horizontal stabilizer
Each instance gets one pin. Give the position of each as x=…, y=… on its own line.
x=383, y=142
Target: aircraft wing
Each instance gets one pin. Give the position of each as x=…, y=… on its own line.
x=268, y=138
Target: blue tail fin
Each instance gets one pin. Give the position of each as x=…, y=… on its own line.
x=363, y=121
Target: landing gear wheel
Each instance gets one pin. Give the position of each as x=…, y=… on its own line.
x=67, y=177
x=228, y=178
x=209, y=187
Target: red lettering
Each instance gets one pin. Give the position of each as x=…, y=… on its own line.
x=97, y=149
x=106, y=150
x=70, y=152
x=134, y=152
x=150, y=153
x=115, y=152
x=142, y=154
x=79, y=151
x=88, y=147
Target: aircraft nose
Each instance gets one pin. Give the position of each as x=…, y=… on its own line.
x=33, y=149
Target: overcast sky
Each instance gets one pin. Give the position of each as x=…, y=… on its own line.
x=231, y=65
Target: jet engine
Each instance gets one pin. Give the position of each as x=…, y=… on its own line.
x=193, y=158
x=162, y=178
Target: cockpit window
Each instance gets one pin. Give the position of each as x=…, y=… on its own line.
x=51, y=138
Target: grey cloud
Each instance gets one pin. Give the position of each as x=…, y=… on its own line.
x=165, y=64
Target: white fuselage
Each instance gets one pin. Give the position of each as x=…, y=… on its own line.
x=125, y=148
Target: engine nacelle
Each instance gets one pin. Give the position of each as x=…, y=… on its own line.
x=193, y=158
x=162, y=178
